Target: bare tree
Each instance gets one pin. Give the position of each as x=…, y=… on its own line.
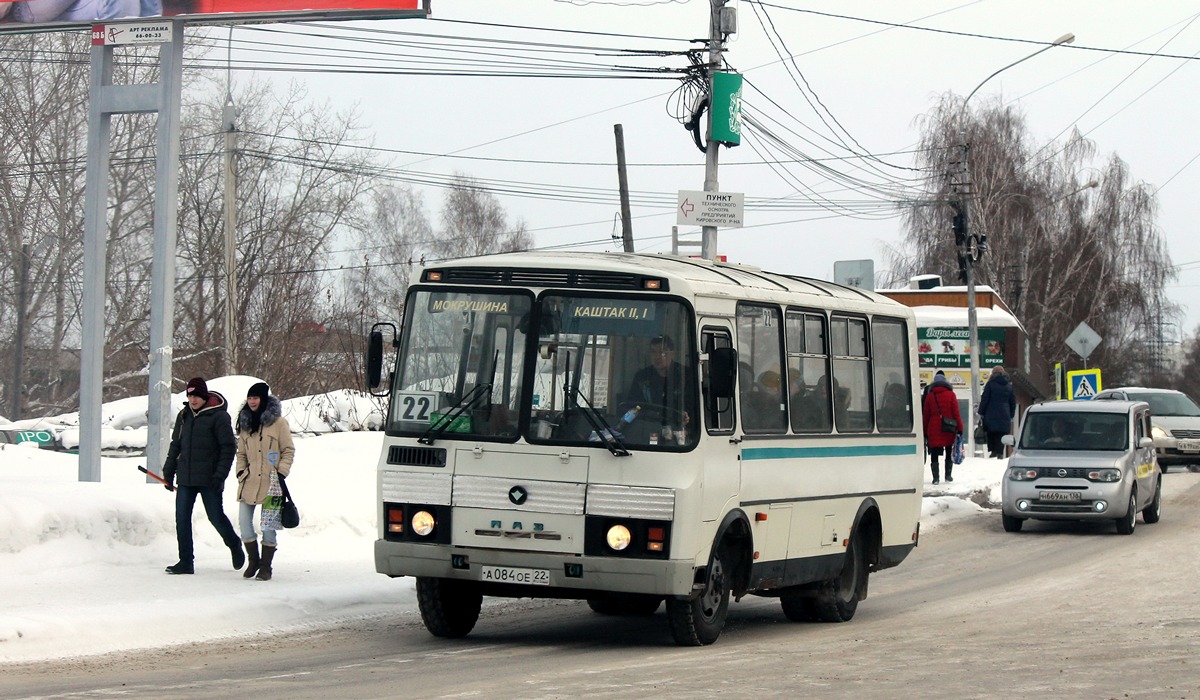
x=1059, y=250
x=297, y=188
x=391, y=241
x=475, y=223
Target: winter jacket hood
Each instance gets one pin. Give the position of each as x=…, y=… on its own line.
x=270, y=411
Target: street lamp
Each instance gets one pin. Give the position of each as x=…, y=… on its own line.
x=972, y=246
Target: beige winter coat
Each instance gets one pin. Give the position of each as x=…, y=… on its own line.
x=257, y=451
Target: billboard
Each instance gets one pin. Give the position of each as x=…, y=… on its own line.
x=40, y=15
x=950, y=347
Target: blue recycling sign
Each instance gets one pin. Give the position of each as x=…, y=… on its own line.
x=1083, y=384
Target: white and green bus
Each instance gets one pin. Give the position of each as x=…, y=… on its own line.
x=630, y=429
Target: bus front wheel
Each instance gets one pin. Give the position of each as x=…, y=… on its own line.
x=449, y=608
x=837, y=598
x=698, y=621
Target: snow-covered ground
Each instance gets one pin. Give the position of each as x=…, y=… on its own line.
x=81, y=563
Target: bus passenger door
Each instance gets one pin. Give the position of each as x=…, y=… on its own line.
x=721, y=468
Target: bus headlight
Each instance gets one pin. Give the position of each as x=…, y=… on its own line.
x=423, y=522
x=618, y=537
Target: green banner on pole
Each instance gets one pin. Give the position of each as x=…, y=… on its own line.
x=726, y=109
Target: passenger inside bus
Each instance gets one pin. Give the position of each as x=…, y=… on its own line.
x=808, y=413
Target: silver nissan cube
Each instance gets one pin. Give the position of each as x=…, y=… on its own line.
x=1083, y=460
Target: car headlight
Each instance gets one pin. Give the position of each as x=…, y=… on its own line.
x=618, y=537
x=1022, y=474
x=1104, y=475
x=423, y=522
x=1158, y=433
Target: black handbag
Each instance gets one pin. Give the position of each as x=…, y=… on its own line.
x=289, y=515
x=949, y=425
x=980, y=432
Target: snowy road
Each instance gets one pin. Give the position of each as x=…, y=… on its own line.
x=1057, y=611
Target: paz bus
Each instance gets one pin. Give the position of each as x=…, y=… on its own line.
x=633, y=430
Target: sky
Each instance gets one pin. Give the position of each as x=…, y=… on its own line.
x=83, y=561
x=875, y=80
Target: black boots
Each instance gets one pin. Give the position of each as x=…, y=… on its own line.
x=252, y=560
x=180, y=568
x=238, y=558
x=264, y=564
x=934, y=467
x=948, y=468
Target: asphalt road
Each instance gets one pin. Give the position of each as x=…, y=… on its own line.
x=1056, y=611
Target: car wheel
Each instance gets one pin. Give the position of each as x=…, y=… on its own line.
x=449, y=608
x=1012, y=524
x=1126, y=523
x=1154, y=511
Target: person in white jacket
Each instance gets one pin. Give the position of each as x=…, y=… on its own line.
x=264, y=453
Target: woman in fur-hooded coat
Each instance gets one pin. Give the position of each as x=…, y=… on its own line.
x=264, y=446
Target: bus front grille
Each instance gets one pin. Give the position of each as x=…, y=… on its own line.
x=416, y=456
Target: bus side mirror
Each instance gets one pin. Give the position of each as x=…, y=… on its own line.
x=374, y=368
x=374, y=359
x=722, y=372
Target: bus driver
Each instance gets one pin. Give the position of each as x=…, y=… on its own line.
x=660, y=387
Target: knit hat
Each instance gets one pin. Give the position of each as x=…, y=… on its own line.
x=939, y=372
x=197, y=387
x=261, y=390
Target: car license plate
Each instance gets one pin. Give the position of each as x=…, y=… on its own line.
x=1188, y=445
x=1060, y=496
x=508, y=574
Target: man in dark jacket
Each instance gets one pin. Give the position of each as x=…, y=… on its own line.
x=201, y=453
x=997, y=407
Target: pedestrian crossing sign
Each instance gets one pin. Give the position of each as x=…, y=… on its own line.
x=1084, y=384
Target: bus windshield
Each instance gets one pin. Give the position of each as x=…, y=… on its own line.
x=622, y=365
x=460, y=368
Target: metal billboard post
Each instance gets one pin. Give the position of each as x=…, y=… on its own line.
x=105, y=100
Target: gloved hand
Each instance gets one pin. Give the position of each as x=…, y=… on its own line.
x=168, y=487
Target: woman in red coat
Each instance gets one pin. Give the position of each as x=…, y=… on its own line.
x=940, y=402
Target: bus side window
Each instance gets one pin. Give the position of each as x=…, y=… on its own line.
x=718, y=412
x=760, y=346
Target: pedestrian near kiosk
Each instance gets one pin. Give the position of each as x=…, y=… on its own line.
x=941, y=403
x=997, y=407
x=264, y=454
x=198, y=461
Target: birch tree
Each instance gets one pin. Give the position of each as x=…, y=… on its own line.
x=1069, y=239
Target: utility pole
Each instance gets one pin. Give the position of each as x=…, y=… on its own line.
x=716, y=51
x=623, y=184
x=15, y=402
x=230, y=354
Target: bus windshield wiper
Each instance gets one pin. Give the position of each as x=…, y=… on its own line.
x=441, y=425
x=604, y=432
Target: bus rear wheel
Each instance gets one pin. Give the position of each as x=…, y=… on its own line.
x=837, y=598
x=698, y=621
x=449, y=608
